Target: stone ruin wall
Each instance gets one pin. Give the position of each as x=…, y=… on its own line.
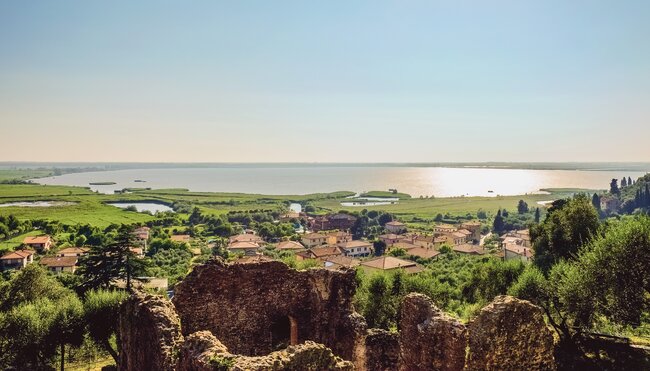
x=266, y=316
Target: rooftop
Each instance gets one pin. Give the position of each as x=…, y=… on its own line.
x=387, y=262
x=36, y=239
x=423, y=252
x=18, y=254
x=290, y=245
x=59, y=261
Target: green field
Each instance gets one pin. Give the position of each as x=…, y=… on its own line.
x=91, y=208
x=22, y=174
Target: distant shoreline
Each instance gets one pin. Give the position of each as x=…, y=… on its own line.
x=103, y=166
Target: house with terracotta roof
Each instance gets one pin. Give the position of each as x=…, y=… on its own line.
x=338, y=237
x=59, y=264
x=313, y=239
x=390, y=263
x=356, y=248
x=469, y=249
x=474, y=227
x=17, y=259
x=39, y=243
x=517, y=252
x=457, y=238
x=290, y=246
x=142, y=233
x=319, y=252
x=424, y=241
x=391, y=238
x=422, y=252
x=72, y=251
x=395, y=227
x=339, y=221
x=246, y=237
x=246, y=248
x=515, y=247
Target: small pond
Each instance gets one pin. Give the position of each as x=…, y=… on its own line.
x=143, y=206
x=37, y=204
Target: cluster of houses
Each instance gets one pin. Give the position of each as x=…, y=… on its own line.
x=63, y=260
x=463, y=239
x=331, y=243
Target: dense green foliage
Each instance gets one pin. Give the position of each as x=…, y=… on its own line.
x=567, y=226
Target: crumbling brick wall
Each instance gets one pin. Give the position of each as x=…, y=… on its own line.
x=149, y=333
x=246, y=306
x=429, y=339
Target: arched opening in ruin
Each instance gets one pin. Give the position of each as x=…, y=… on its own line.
x=284, y=332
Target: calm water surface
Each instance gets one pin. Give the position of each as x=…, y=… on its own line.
x=416, y=181
x=142, y=206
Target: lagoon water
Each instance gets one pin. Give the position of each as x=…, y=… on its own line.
x=142, y=206
x=416, y=181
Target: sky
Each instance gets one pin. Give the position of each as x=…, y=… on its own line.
x=331, y=81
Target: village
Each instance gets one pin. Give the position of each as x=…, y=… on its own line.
x=327, y=242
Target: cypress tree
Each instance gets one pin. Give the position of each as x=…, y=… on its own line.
x=623, y=182
x=498, y=222
x=537, y=215
x=613, y=187
x=595, y=200
x=629, y=181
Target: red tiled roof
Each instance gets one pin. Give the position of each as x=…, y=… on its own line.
x=423, y=252
x=59, y=261
x=18, y=254
x=325, y=251
x=290, y=245
x=36, y=239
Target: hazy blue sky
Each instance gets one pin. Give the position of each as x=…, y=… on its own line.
x=328, y=81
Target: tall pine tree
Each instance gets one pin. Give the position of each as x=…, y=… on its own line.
x=115, y=261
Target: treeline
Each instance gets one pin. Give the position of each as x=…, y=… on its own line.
x=522, y=219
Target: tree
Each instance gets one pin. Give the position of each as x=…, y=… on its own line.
x=498, y=224
x=623, y=182
x=68, y=324
x=103, y=265
x=537, y=215
x=380, y=308
x=101, y=314
x=629, y=181
x=380, y=247
x=38, y=317
x=568, y=226
x=522, y=207
x=613, y=187
x=595, y=200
